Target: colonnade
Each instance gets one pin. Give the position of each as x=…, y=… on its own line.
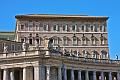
x=44, y=73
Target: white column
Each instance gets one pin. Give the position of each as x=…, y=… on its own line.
x=118, y=76
x=94, y=75
x=86, y=75
x=72, y=74
x=59, y=73
x=79, y=75
x=24, y=74
x=48, y=72
x=102, y=75
x=5, y=74
x=65, y=74
x=37, y=72
x=110, y=75
x=12, y=75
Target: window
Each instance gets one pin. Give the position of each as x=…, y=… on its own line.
x=65, y=42
x=74, y=27
x=12, y=47
x=65, y=27
x=85, y=54
x=95, y=28
x=22, y=40
x=37, y=41
x=83, y=28
x=103, y=54
x=102, y=28
x=37, y=28
x=55, y=28
x=45, y=27
x=94, y=54
x=30, y=41
x=93, y=40
x=84, y=40
x=55, y=41
x=102, y=42
x=75, y=42
x=22, y=27
x=18, y=48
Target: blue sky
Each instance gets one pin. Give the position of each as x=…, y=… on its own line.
x=110, y=8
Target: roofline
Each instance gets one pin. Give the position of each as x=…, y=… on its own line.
x=59, y=16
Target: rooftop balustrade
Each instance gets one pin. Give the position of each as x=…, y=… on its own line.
x=42, y=54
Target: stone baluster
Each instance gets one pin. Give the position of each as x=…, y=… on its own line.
x=72, y=74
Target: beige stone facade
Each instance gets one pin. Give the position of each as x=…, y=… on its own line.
x=83, y=36
x=73, y=33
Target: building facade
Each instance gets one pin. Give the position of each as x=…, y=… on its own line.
x=83, y=53
x=84, y=34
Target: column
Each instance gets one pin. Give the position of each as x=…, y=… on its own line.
x=5, y=74
x=24, y=74
x=79, y=75
x=102, y=75
x=72, y=74
x=37, y=72
x=59, y=73
x=12, y=75
x=86, y=75
x=48, y=72
x=94, y=75
x=29, y=73
x=110, y=75
x=64, y=73
x=0, y=74
x=118, y=76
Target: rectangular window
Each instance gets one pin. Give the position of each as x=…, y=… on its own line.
x=13, y=47
x=92, y=28
x=102, y=42
x=55, y=41
x=93, y=42
x=22, y=27
x=55, y=28
x=37, y=28
x=74, y=28
x=65, y=28
x=84, y=42
x=30, y=41
x=19, y=48
x=83, y=28
x=74, y=42
x=65, y=42
x=37, y=40
x=45, y=27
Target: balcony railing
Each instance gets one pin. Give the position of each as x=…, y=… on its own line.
x=41, y=53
